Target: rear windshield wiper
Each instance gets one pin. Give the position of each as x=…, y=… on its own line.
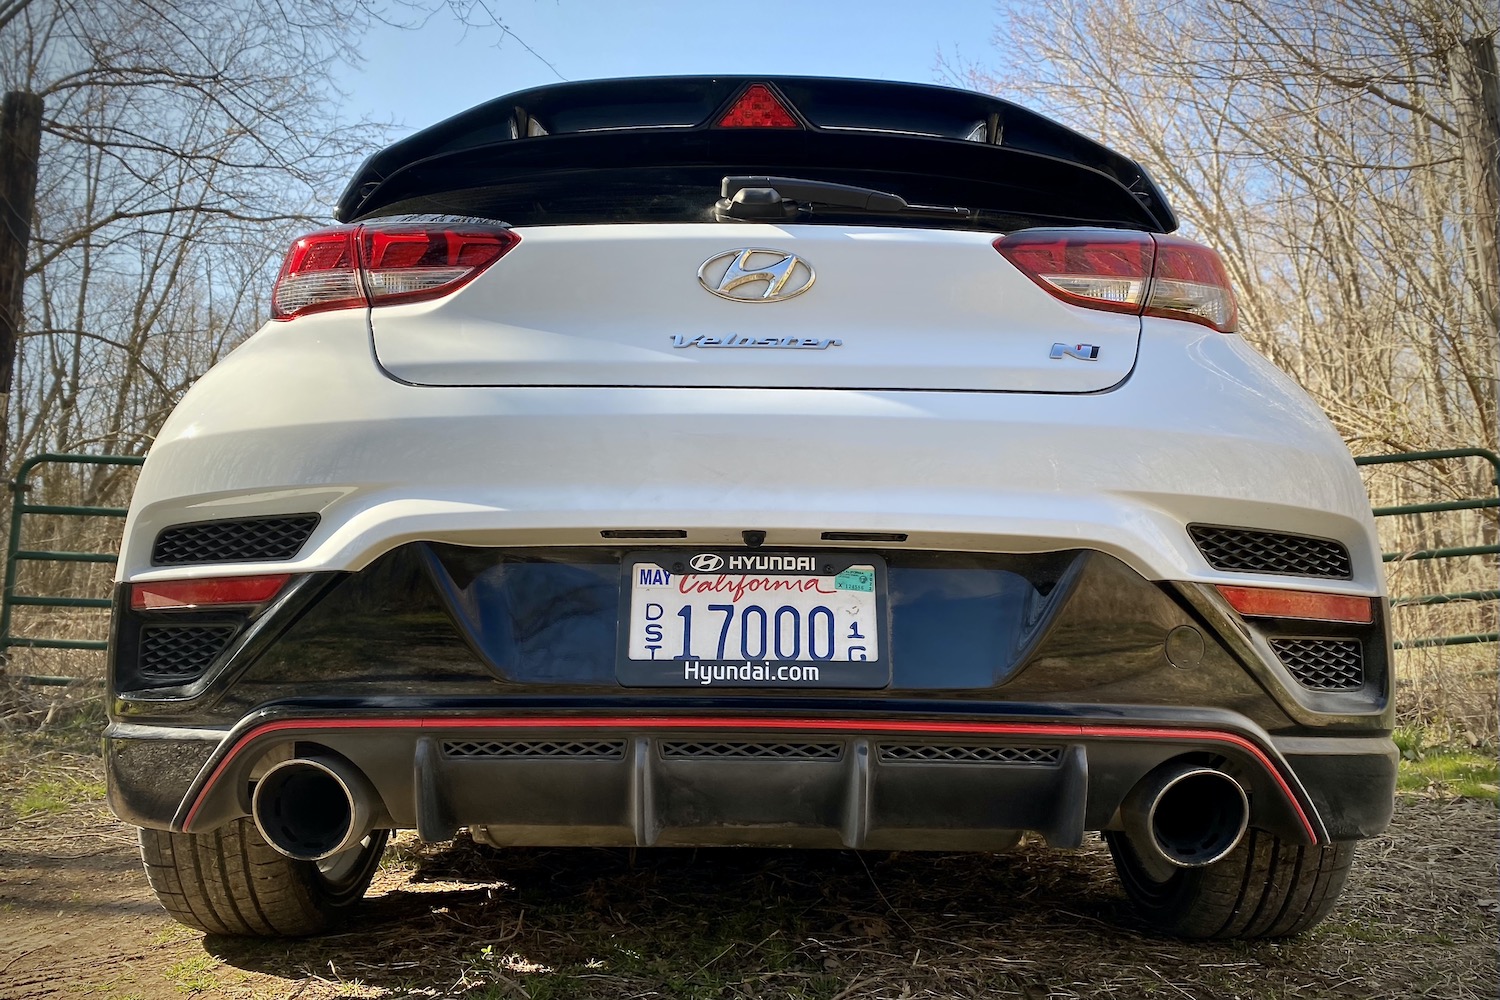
x=778, y=199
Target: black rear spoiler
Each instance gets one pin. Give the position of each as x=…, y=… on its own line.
x=934, y=117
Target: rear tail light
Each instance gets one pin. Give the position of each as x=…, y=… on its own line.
x=1264, y=602
x=321, y=271
x=350, y=267
x=224, y=591
x=1125, y=271
x=1098, y=270
x=1190, y=282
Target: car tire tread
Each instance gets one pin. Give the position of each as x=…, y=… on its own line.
x=229, y=881
x=1264, y=888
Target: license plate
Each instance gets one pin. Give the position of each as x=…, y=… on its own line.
x=753, y=619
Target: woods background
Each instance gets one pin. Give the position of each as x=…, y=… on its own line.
x=1340, y=154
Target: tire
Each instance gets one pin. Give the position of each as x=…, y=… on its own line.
x=1264, y=888
x=230, y=881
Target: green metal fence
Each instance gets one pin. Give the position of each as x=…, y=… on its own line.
x=15, y=555
x=21, y=508
x=1454, y=552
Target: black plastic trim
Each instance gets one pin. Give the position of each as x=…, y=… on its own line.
x=1102, y=761
x=275, y=538
x=1258, y=550
x=682, y=110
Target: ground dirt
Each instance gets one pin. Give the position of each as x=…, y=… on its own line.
x=457, y=920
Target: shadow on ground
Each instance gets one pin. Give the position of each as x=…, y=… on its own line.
x=467, y=921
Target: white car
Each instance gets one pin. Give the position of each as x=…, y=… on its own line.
x=729, y=461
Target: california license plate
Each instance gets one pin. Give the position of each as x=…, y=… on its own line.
x=753, y=619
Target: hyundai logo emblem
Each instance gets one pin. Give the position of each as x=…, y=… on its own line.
x=707, y=562
x=755, y=274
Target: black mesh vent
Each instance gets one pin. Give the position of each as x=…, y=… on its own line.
x=774, y=751
x=179, y=654
x=971, y=755
x=258, y=539
x=595, y=749
x=1244, y=551
x=1323, y=664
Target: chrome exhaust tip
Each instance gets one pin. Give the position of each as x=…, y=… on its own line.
x=1186, y=817
x=311, y=808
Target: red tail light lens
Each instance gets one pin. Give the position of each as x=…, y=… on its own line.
x=404, y=263
x=1190, y=283
x=1263, y=602
x=1125, y=271
x=1101, y=271
x=758, y=107
x=321, y=271
x=221, y=591
x=350, y=267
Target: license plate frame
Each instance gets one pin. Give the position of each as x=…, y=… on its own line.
x=848, y=572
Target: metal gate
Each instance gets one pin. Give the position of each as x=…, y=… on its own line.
x=1455, y=552
x=15, y=555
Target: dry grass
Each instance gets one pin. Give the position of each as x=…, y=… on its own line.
x=93, y=486
x=1036, y=924
x=1450, y=690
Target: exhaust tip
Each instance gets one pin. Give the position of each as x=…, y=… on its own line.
x=311, y=809
x=1189, y=818
x=1199, y=817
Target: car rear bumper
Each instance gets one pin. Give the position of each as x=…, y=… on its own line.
x=474, y=687
x=382, y=463
x=960, y=782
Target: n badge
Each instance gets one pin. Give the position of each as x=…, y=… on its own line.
x=1083, y=352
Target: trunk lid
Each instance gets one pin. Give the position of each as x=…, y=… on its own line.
x=852, y=308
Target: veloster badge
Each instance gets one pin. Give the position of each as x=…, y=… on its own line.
x=755, y=274
x=793, y=343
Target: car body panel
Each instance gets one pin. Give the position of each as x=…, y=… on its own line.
x=884, y=308
x=385, y=463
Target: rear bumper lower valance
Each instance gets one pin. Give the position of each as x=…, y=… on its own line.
x=678, y=779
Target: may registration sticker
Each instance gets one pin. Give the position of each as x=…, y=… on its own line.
x=753, y=619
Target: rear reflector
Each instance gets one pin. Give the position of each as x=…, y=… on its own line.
x=350, y=267
x=758, y=107
x=1127, y=271
x=217, y=592
x=1262, y=602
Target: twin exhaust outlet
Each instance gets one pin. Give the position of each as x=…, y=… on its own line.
x=312, y=808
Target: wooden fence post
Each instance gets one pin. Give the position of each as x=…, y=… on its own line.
x=20, y=146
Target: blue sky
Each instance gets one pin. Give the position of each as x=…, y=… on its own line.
x=415, y=78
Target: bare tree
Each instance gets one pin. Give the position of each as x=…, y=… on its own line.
x=1340, y=155
x=1318, y=145
x=183, y=142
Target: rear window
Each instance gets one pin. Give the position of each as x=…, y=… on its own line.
x=687, y=194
